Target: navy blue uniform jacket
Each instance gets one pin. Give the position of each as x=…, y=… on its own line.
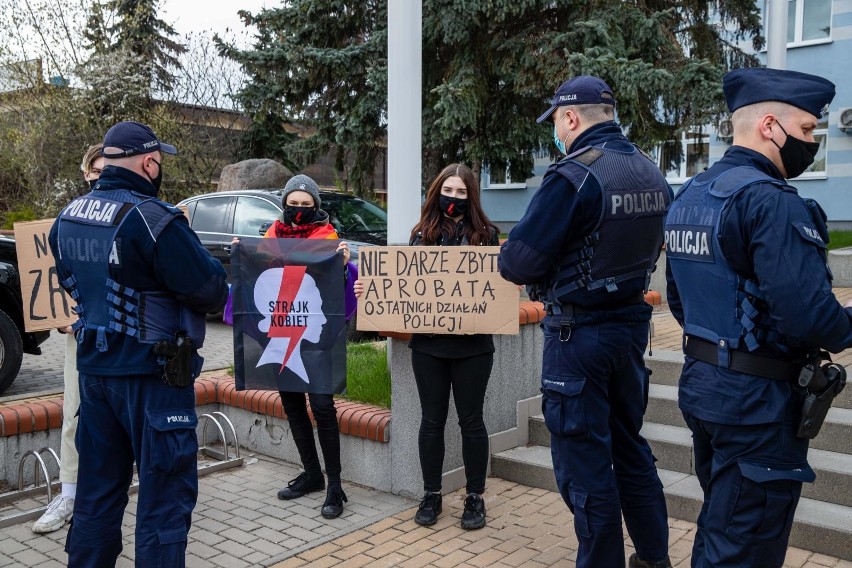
x=759, y=239
x=176, y=262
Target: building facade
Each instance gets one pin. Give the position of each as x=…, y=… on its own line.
x=819, y=41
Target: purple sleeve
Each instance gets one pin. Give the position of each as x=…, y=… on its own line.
x=350, y=302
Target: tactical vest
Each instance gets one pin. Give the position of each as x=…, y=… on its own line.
x=627, y=239
x=88, y=245
x=719, y=305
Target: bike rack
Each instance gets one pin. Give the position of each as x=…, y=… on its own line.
x=224, y=460
x=39, y=468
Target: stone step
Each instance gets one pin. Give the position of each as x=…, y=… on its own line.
x=835, y=435
x=672, y=446
x=666, y=367
x=819, y=526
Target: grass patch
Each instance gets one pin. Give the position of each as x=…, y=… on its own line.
x=839, y=239
x=367, y=376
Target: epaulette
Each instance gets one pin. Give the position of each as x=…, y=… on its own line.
x=585, y=156
x=157, y=215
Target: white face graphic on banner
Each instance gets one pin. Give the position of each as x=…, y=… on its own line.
x=291, y=305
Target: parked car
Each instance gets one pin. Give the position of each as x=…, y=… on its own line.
x=220, y=216
x=14, y=340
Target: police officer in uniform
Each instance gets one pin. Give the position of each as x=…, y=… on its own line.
x=748, y=281
x=587, y=245
x=143, y=284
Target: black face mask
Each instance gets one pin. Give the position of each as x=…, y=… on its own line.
x=299, y=215
x=157, y=181
x=452, y=206
x=796, y=155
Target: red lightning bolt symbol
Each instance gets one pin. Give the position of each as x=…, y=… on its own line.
x=291, y=281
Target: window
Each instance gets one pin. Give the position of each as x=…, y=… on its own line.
x=500, y=178
x=808, y=21
x=682, y=161
x=251, y=213
x=818, y=168
x=209, y=216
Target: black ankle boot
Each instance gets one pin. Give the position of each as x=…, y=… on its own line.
x=304, y=483
x=635, y=562
x=333, y=506
x=473, y=516
x=430, y=508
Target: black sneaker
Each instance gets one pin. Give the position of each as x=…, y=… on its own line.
x=635, y=562
x=333, y=506
x=429, y=509
x=473, y=516
x=303, y=484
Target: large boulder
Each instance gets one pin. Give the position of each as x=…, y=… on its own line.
x=261, y=173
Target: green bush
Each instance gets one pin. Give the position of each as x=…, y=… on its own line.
x=18, y=215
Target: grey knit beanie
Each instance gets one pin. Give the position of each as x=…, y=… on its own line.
x=301, y=182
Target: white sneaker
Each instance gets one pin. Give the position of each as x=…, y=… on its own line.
x=59, y=512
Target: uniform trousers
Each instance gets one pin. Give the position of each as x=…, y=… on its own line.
x=752, y=479
x=595, y=390
x=125, y=419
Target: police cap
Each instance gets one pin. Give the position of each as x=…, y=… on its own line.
x=745, y=87
x=130, y=138
x=582, y=90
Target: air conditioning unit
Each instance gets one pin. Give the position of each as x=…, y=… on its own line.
x=725, y=130
x=844, y=120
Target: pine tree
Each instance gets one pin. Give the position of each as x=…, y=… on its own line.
x=132, y=26
x=489, y=68
x=322, y=64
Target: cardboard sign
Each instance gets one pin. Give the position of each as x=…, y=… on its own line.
x=46, y=305
x=435, y=290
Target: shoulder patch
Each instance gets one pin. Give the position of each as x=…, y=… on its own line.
x=809, y=233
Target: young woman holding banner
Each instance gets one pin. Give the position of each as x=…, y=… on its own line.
x=302, y=218
x=452, y=216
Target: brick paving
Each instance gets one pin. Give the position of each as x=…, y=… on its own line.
x=527, y=527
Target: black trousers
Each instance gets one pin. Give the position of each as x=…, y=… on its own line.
x=328, y=433
x=468, y=379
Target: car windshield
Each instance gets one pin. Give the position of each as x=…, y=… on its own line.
x=356, y=216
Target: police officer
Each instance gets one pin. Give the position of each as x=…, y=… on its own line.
x=747, y=280
x=587, y=244
x=143, y=283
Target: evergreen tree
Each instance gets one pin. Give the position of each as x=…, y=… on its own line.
x=322, y=64
x=132, y=26
x=489, y=68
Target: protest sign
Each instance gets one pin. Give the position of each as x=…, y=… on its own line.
x=288, y=310
x=435, y=290
x=46, y=305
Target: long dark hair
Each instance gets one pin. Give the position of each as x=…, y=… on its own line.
x=433, y=223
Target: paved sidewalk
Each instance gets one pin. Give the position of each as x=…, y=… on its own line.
x=239, y=522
